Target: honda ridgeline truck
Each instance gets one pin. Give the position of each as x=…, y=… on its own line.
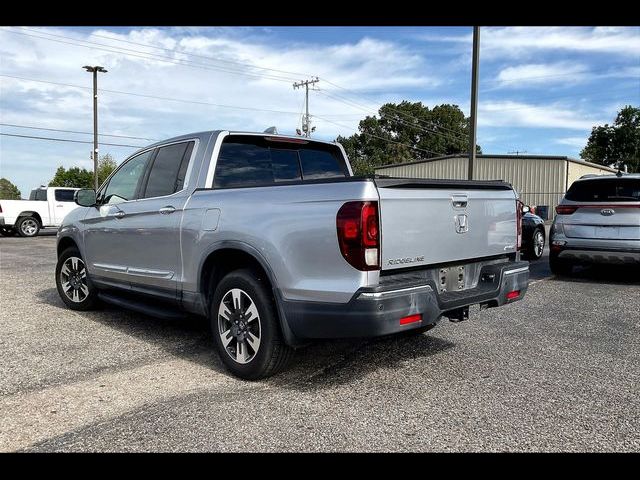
x=275, y=241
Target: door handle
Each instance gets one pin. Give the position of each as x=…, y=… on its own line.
x=167, y=210
x=59, y=206
x=119, y=214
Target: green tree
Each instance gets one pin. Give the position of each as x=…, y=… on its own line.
x=75, y=177
x=616, y=145
x=106, y=165
x=81, y=177
x=8, y=191
x=404, y=132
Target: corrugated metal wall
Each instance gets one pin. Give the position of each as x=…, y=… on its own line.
x=538, y=181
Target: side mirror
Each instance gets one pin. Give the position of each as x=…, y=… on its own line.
x=85, y=197
x=526, y=209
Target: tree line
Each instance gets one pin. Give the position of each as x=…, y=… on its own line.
x=408, y=131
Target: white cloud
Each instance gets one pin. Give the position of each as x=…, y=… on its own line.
x=516, y=42
x=516, y=114
x=541, y=73
x=576, y=142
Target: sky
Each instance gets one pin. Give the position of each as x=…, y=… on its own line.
x=541, y=89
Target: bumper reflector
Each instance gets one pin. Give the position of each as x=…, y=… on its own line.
x=411, y=319
x=512, y=295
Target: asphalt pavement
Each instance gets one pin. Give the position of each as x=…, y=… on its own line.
x=557, y=371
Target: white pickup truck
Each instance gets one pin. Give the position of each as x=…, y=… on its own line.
x=46, y=207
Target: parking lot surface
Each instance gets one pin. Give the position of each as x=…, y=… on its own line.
x=558, y=371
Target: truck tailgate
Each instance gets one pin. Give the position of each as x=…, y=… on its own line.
x=435, y=221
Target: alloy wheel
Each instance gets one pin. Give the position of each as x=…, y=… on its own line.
x=239, y=325
x=73, y=278
x=29, y=227
x=538, y=244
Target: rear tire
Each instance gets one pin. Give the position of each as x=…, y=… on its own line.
x=28, y=226
x=245, y=326
x=559, y=266
x=73, y=283
x=537, y=245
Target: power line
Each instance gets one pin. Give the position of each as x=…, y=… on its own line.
x=382, y=138
x=66, y=140
x=154, y=96
x=403, y=122
x=400, y=112
x=148, y=55
x=73, y=131
x=215, y=59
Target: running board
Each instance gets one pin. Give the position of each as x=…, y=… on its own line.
x=164, y=312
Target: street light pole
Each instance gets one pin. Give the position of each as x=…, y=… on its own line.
x=95, y=71
x=474, y=100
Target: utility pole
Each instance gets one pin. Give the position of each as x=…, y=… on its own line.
x=306, y=123
x=95, y=71
x=474, y=100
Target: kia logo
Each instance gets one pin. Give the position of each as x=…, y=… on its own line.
x=607, y=212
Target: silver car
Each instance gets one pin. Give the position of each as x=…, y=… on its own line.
x=598, y=221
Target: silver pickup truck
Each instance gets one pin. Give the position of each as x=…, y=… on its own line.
x=275, y=241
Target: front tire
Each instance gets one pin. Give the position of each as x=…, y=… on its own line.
x=73, y=282
x=28, y=227
x=559, y=266
x=245, y=326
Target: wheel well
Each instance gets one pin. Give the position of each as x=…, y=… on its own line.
x=35, y=215
x=223, y=261
x=65, y=243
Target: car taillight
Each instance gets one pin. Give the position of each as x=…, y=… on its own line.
x=359, y=234
x=519, y=206
x=565, y=209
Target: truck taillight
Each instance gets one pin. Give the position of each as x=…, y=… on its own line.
x=359, y=234
x=519, y=206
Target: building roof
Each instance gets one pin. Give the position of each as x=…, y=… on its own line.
x=513, y=157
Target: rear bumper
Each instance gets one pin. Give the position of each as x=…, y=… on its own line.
x=377, y=311
x=609, y=255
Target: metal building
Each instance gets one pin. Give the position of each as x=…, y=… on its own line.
x=541, y=180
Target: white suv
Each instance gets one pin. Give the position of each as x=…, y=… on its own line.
x=598, y=221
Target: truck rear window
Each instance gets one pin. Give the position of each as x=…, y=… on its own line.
x=251, y=161
x=605, y=190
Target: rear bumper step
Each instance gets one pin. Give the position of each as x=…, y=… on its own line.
x=382, y=311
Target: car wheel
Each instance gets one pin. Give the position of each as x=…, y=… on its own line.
x=537, y=245
x=28, y=227
x=73, y=282
x=245, y=326
x=558, y=265
x=7, y=232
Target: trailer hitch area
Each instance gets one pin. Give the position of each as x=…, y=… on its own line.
x=458, y=315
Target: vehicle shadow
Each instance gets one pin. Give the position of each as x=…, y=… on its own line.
x=320, y=365
x=355, y=359
x=609, y=274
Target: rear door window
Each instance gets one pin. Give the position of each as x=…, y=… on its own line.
x=605, y=190
x=64, y=195
x=39, y=194
x=167, y=172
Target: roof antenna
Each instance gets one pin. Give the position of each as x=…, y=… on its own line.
x=271, y=130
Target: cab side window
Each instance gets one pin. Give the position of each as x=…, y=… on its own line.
x=123, y=185
x=168, y=170
x=64, y=195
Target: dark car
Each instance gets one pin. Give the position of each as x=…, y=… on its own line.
x=533, y=235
